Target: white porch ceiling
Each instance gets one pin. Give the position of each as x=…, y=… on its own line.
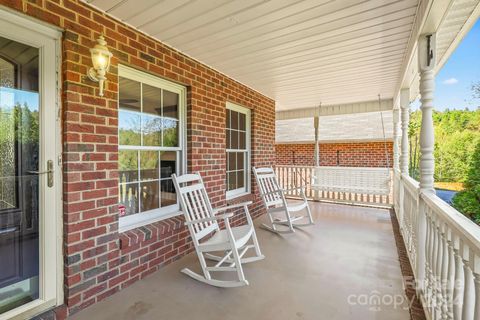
x=298, y=52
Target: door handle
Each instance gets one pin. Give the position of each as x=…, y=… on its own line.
x=49, y=173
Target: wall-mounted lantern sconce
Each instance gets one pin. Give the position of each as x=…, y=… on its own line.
x=101, y=63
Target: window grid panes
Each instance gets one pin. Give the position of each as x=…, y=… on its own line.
x=149, y=149
x=237, y=150
x=145, y=180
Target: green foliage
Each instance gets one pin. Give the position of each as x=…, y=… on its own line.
x=453, y=153
x=457, y=153
x=468, y=201
x=457, y=132
x=22, y=122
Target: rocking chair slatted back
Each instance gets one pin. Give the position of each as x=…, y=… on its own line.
x=270, y=190
x=195, y=204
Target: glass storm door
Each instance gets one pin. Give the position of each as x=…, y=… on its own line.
x=27, y=174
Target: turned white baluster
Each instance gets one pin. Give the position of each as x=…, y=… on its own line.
x=468, y=290
x=428, y=262
x=450, y=275
x=396, y=137
x=458, y=284
x=436, y=253
x=476, y=281
x=405, y=119
x=444, y=274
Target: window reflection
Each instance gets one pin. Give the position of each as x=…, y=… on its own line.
x=170, y=104
x=152, y=100
x=168, y=194
x=129, y=128
x=149, y=165
x=150, y=196
x=152, y=130
x=148, y=121
x=168, y=162
x=128, y=165
x=129, y=94
x=170, y=133
x=128, y=198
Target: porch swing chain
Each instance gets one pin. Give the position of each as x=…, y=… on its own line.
x=299, y=174
x=387, y=158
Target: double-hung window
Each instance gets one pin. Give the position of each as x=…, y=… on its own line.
x=238, y=150
x=151, y=146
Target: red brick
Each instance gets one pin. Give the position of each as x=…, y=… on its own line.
x=354, y=154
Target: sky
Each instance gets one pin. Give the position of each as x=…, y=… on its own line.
x=10, y=97
x=454, y=81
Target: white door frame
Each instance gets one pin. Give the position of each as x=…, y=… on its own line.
x=47, y=39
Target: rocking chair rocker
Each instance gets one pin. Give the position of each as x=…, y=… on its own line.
x=202, y=221
x=279, y=211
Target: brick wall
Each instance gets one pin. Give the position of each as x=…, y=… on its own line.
x=99, y=260
x=364, y=154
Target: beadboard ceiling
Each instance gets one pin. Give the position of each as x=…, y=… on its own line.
x=298, y=52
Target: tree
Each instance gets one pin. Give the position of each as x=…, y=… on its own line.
x=457, y=133
x=413, y=137
x=476, y=90
x=468, y=201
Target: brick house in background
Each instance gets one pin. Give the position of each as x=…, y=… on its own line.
x=348, y=140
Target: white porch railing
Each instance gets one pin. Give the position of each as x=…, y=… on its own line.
x=444, y=250
x=294, y=176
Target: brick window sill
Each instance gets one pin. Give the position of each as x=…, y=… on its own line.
x=159, y=230
x=240, y=198
x=151, y=232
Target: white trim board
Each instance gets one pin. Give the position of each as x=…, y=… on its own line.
x=330, y=110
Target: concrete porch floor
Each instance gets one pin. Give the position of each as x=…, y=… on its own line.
x=327, y=271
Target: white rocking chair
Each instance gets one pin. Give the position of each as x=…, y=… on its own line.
x=279, y=211
x=202, y=221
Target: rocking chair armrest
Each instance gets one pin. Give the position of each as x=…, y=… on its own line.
x=209, y=219
x=233, y=206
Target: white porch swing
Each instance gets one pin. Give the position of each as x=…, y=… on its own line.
x=354, y=180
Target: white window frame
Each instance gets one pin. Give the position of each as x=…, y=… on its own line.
x=151, y=216
x=231, y=194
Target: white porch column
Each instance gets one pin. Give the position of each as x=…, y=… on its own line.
x=396, y=139
x=405, y=119
x=316, y=120
x=426, y=63
x=317, y=147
